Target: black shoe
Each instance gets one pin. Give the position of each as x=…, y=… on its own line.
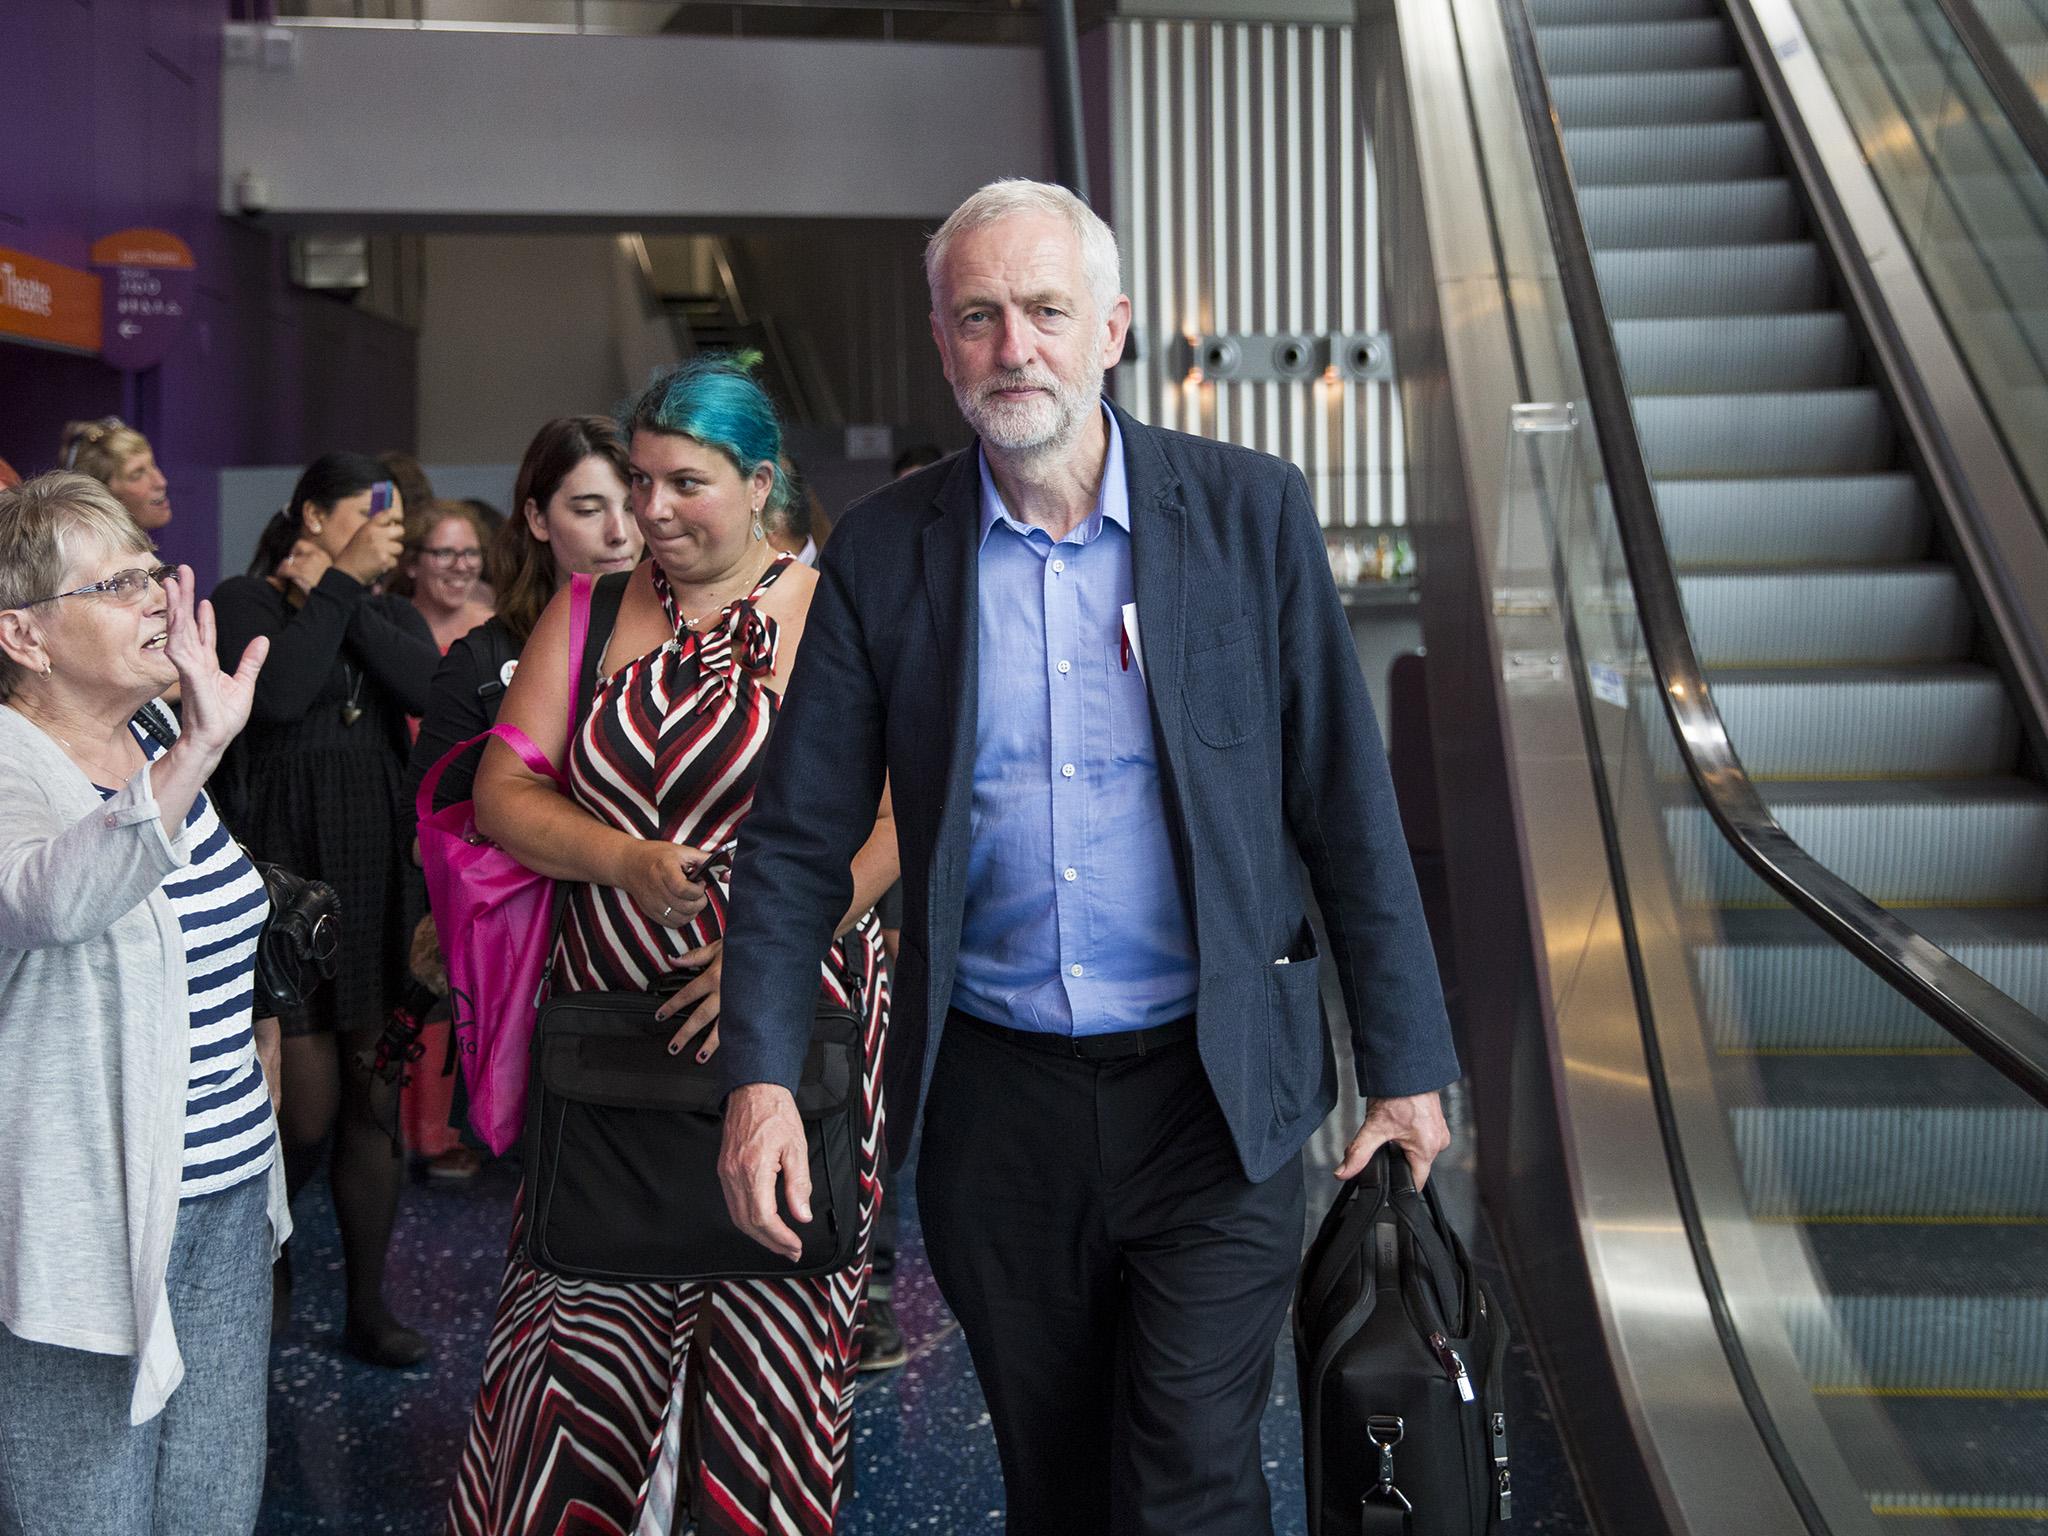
x=881, y=1341
x=386, y=1342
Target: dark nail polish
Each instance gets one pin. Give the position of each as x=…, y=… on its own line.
x=702, y=1057
x=674, y=1049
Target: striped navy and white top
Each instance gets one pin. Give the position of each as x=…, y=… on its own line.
x=221, y=904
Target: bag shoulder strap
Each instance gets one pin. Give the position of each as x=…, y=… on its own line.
x=594, y=613
x=513, y=737
x=599, y=617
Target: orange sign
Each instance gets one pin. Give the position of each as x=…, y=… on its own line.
x=143, y=248
x=43, y=302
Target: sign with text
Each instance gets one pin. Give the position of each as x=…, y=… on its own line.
x=148, y=278
x=43, y=302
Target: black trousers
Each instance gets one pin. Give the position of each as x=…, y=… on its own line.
x=1120, y=1282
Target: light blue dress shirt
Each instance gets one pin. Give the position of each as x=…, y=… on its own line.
x=1074, y=922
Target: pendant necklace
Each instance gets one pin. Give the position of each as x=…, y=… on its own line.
x=352, y=706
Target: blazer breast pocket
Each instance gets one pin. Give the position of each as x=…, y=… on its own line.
x=1220, y=687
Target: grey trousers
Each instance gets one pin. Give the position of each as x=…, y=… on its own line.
x=69, y=1459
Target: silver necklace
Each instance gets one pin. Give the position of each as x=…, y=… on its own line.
x=752, y=582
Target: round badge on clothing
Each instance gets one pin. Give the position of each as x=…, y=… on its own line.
x=505, y=672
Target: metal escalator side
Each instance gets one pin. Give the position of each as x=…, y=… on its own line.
x=1863, y=1195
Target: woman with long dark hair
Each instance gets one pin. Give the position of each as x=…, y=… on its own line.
x=317, y=784
x=570, y=519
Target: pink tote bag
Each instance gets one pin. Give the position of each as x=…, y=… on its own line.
x=496, y=921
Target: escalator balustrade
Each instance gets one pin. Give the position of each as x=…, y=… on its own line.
x=1846, y=660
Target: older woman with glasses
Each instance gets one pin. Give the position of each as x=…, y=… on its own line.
x=141, y=1196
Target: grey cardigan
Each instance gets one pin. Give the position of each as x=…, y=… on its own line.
x=95, y=1051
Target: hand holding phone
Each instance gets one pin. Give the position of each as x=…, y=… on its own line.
x=377, y=545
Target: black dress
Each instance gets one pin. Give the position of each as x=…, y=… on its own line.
x=317, y=780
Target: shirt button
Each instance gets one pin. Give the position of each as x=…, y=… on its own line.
x=1070, y=874
x=1066, y=770
x=1058, y=566
x=1073, y=970
x=1066, y=667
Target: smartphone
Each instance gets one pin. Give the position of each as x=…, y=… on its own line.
x=381, y=496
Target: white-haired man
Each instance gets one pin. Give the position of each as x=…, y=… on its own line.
x=1115, y=696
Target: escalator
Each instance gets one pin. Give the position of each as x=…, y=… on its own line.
x=1841, y=648
x=1741, y=556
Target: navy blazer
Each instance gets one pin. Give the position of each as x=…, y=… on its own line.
x=1269, y=758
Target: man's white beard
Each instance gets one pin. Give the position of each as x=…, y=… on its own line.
x=1044, y=422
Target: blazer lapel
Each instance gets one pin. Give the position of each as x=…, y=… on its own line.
x=952, y=585
x=1158, y=568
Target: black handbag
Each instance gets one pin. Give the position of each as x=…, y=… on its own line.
x=301, y=943
x=1401, y=1354
x=621, y=1148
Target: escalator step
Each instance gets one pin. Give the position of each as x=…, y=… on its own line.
x=1892, y=1081
x=1939, y=1465
x=1736, y=354
x=1908, y=1259
x=1552, y=13
x=1608, y=47
x=1637, y=157
x=1653, y=97
x=1690, y=282
x=1918, y=843
x=1815, y=432
x=1914, y=613
x=1807, y=520
x=1702, y=213
x=1859, y=1344
x=1863, y=723
x=1921, y=1165
x=1775, y=982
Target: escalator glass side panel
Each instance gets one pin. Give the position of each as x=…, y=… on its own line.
x=1970, y=201
x=1870, y=1197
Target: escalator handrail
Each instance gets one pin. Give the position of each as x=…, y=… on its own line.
x=2015, y=98
x=1979, y=1015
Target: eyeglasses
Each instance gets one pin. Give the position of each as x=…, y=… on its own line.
x=444, y=555
x=124, y=587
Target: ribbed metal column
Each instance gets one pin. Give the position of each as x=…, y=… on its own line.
x=1244, y=200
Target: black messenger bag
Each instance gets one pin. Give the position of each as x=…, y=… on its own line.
x=622, y=1139
x=1404, y=1423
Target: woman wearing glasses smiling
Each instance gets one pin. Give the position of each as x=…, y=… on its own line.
x=140, y=1188
x=444, y=562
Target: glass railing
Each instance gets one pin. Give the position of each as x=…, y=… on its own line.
x=2020, y=28
x=1961, y=167
x=1869, y=1198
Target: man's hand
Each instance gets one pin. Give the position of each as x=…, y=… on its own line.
x=1414, y=1124
x=764, y=1141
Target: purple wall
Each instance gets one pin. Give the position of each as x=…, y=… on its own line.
x=111, y=118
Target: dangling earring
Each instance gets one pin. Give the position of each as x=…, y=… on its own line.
x=760, y=528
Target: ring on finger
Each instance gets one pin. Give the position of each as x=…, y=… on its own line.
x=668, y=911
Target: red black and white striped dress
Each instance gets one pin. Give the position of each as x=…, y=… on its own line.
x=616, y=1408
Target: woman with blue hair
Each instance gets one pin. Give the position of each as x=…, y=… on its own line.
x=645, y=1408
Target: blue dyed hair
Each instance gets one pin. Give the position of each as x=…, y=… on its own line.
x=713, y=399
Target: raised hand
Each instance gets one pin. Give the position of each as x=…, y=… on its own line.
x=375, y=548
x=213, y=705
